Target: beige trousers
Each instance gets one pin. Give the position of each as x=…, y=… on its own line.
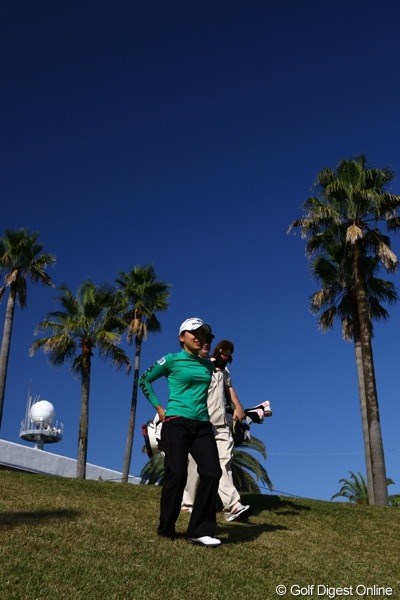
x=226, y=490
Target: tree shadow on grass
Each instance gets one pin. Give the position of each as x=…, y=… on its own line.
x=278, y=505
x=246, y=532
x=9, y=520
x=238, y=533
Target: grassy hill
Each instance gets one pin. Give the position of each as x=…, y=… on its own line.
x=68, y=539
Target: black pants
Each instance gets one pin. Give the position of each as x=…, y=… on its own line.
x=179, y=437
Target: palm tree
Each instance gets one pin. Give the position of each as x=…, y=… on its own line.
x=87, y=321
x=245, y=466
x=144, y=296
x=337, y=299
x=352, y=202
x=21, y=258
x=246, y=469
x=355, y=489
x=153, y=471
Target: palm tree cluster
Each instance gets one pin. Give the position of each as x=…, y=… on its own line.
x=95, y=317
x=346, y=248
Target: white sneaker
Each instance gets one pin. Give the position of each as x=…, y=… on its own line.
x=206, y=540
x=240, y=510
x=187, y=509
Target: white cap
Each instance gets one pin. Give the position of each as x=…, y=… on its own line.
x=194, y=323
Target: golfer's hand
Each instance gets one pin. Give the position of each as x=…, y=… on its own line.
x=160, y=412
x=238, y=414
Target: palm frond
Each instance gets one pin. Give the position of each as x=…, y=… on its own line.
x=153, y=471
x=245, y=461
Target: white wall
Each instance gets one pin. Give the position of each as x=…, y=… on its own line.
x=24, y=458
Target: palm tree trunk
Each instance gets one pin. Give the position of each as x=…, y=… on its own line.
x=84, y=416
x=132, y=414
x=374, y=428
x=5, y=347
x=363, y=407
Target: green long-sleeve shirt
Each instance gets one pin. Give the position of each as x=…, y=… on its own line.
x=188, y=378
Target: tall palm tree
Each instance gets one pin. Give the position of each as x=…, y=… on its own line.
x=352, y=201
x=88, y=320
x=21, y=258
x=144, y=296
x=246, y=469
x=337, y=299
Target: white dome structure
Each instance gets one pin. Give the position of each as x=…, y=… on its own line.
x=40, y=425
x=42, y=413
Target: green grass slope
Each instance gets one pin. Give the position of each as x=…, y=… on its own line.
x=68, y=539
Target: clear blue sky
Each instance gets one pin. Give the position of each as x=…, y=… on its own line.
x=188, y=135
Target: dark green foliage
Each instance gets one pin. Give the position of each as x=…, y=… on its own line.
x=355, y=489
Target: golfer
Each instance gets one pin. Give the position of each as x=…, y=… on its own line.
x=187, y=430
